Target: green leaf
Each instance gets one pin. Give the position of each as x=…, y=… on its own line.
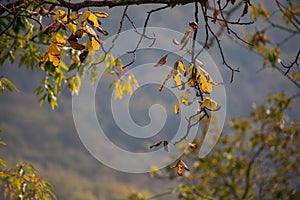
x=75, y=84
x=6, y=83
x=73, y=66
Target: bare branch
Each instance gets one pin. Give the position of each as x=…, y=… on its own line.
x=289, y=67
x=143, y=34
x=190, y=125
x=233, y=70
x=115, y=3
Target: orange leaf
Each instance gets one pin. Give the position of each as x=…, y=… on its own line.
x=221, y=23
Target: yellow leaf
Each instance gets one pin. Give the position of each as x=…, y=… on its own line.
x=133, y=80
x=154, y=170
x=58, y=40
x=101, y=14
x=118, y=93
x=176, y=107
x=62, y=16
x=206, y=86
x=84, y=17
x=73, y=28
x=191, y=82
x=185, y=98
x=187, y=70
x=93, y=20
x=54, y=54
x=178, y=81
x=75, y=16
x=127, y=87
x=53, y=49
x=94, y=43
x=180, y=64
x=54, y=59
x=209, y=103
x=75, y=84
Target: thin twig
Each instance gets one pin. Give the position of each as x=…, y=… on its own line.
x=289, y=67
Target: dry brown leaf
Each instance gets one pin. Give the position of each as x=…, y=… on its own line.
x=166, y=146
x=155, y=144
x=194, y=25
x=83, y=56
x=162, y=61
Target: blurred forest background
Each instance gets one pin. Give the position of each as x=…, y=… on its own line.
x=48, y=138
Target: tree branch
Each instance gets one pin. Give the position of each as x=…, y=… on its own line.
x=116, y=3
x=248, y=171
